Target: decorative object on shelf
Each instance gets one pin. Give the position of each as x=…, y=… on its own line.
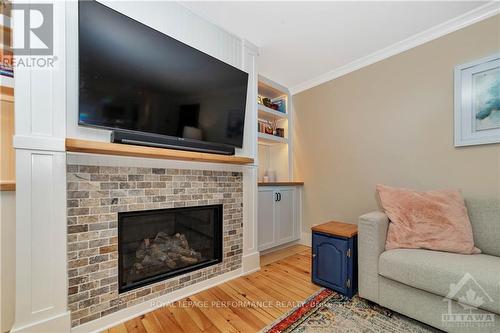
x=267, y=102
x=6, y=70
x=270, y=127
x=265, y=179
x=281, y=103
x=260, y=99
x=265, y=126
x=271, y=175
x=477, y=102
x=274, y=106
x=260, y=126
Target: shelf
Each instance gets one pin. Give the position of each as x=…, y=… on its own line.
x=270, y=89
x=291, y=183
x=271, y=139
x=7, y=94
x=6, y=185
x=105, y=148
x=270, y=114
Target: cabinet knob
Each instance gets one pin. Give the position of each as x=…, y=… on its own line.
x=314, y=255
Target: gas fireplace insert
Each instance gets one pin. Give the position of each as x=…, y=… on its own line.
x=158, y=244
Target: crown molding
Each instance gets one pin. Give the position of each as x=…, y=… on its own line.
x=250, y=46
x=459, y=22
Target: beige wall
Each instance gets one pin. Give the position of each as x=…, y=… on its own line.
x=391, y=123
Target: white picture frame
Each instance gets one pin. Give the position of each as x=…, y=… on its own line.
x=473, y=91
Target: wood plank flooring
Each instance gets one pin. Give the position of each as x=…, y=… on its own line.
x=282, y=254
x=246, y=304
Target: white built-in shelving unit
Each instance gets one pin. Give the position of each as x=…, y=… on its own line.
x=279, y=201
x=275, y=152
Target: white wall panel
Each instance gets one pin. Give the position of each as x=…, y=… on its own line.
x=40, y=93
x=249, y=59
x=7, y=258
x=40, y=112
x=40, y=239
x=42, y=103
x=42, y=232
x=250, y=210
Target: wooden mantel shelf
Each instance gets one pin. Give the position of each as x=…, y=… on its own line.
x=105, y=148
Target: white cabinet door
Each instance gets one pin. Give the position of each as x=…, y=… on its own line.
x=266, y=224
x=285, y=217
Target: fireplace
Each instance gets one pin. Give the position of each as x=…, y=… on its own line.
x=100, y=199
x=158, y=244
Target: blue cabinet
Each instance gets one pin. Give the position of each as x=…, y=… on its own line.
x=334, y=263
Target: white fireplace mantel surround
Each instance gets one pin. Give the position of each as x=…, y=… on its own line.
x=46, y=113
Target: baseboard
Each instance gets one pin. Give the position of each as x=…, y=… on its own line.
x=305, y=238
x=57, y=324
x=251, y=263
x=118, y=317
x=280, y=247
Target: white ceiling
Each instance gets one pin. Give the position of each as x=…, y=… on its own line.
x=300, y=41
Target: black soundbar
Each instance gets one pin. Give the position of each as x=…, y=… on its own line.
x=160, y=141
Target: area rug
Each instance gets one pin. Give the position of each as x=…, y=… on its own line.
x=327, y=311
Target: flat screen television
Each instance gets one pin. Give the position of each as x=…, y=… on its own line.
x=138, y=80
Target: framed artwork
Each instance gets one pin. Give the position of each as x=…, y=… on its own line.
x=477, y=102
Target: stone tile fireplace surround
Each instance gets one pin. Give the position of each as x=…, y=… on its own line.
x=95, y=196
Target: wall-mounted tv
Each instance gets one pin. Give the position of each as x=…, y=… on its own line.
x=142, y=82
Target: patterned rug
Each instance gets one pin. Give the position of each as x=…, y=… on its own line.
x=327, y=312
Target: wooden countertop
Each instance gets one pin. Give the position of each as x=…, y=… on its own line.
x=281, y=183
x=105, y=148
x=335, y=228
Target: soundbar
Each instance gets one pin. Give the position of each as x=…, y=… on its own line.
x=160, y=141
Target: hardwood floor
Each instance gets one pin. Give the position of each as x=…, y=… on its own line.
x=282, y=254
x=246, y=304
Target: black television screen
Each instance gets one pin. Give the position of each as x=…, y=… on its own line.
x=135, y=78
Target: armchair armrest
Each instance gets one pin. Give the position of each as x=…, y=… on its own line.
x=372, y=232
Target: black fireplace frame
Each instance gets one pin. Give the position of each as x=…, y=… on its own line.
x=218, y=246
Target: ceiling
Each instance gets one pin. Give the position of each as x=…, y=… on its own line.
x=301, y=41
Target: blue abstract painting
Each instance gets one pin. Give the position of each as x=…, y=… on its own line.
x=486, y=99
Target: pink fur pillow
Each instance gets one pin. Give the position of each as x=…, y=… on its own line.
x=433, y=220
